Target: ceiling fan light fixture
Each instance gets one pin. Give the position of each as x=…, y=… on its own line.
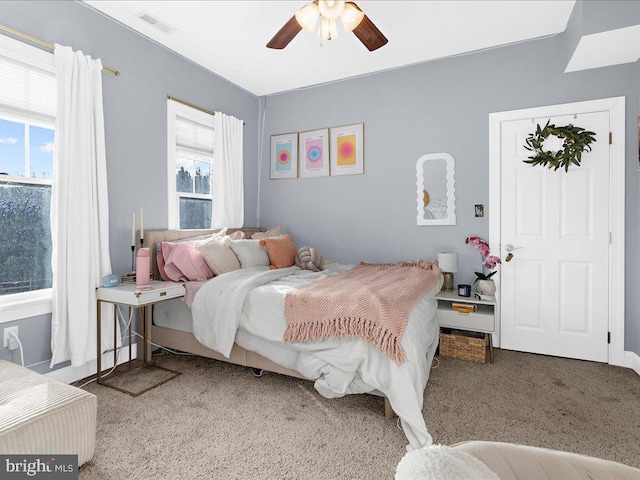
x=351, y=17
x=331, y=9
x=328, y=11
x=333, y=29
x=323, y=31
x=307, y=17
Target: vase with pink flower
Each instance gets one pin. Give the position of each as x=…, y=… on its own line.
x=485, y=285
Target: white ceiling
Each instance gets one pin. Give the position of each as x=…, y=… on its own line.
x=229, y=37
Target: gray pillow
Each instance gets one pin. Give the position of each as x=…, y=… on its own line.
x=250, y=253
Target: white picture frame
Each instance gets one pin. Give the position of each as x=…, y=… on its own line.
x=284, y=156
x=347, y=150
x=313, y=156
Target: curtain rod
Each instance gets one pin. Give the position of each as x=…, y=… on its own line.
x=202, y=109
x=46, y=45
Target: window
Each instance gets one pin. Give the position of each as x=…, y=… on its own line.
x=27, y=136
x=26, y=160
x=190, y=167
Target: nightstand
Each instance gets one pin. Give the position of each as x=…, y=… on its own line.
x=139, y=297
x=483, y=320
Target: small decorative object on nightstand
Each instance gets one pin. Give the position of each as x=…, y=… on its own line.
x=448, y=263
x=464, y=290
x=142, y=298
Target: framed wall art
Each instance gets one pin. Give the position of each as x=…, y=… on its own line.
x=314, y=153
x=347, y=150
x=284, y=156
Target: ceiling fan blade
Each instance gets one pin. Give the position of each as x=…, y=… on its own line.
x=285, y=34
x=369, y=35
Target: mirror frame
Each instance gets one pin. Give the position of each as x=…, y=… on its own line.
x=451, y=189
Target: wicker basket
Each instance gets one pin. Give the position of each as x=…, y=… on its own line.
x=463, y=346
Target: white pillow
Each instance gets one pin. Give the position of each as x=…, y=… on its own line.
x=274, y=232
x=237, y=235
x=250, y=253
x=438, y=462
x=218, y=256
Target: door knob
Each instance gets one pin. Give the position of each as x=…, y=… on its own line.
x=510, y=248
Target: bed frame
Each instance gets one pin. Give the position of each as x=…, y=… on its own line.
x=186, y=342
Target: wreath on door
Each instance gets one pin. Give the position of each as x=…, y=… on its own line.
x=575, y=141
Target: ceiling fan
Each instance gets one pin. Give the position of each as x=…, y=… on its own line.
x=328, y=11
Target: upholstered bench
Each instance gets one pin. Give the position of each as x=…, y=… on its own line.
x=39, y=415
x=507, y=461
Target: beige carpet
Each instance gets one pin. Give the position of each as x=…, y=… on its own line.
x=217, y=421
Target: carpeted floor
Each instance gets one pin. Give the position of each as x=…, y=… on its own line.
x=217, y=421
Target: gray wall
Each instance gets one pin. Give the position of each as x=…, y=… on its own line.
x=135, y=123
x=440, y=106
x=600, y=16
x=633, y=233
x=433, y=107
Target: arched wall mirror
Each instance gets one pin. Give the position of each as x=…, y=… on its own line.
x=436, y=189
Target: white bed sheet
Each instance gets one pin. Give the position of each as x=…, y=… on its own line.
x=339, y=366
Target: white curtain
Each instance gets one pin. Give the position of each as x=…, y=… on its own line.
x=79, y=208
x=228, y=188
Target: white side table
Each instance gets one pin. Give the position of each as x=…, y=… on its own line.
x=139, y=297
x=483, y=320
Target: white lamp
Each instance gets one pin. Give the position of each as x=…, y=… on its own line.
x=448, y=262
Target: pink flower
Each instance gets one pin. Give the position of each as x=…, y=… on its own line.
x=489, y=261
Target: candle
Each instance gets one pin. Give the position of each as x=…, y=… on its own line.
x=141, y=224
x=133, y=230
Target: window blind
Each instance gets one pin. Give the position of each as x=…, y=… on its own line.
x=194, y=135
x=27, y=89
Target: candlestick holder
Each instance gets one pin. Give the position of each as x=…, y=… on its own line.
x=141, y=242
x=132, y=272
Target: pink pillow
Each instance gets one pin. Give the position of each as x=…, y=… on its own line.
x=182, y=262
x=160, y=263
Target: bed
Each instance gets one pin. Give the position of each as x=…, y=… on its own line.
x=338, y=366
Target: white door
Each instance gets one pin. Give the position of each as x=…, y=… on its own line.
x=554, y=294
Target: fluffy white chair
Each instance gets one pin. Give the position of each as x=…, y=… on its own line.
x=39, y=415
x=506, y=461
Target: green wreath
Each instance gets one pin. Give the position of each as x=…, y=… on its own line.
x=576, y=141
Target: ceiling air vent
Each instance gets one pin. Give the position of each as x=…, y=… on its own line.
x=156, y=22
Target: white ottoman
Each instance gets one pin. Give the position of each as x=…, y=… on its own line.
x=39, y=415
x=516, y=462
x=506, y=461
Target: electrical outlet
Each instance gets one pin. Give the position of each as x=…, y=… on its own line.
x=8, y=340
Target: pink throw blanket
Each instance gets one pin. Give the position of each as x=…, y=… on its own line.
x=371, y=301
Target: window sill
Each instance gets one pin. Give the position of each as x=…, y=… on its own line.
x=25, y=305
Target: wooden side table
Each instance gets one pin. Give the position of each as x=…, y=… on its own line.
x=483, y=320
x=138, y=297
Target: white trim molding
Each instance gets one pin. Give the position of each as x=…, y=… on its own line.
x=632, y=361
x=25, y=305
x=72, y=374
x=616, y=107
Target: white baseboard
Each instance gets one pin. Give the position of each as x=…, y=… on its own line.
x=72, y=374
x=632, y=361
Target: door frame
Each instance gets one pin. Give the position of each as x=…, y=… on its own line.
x=616, y=108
